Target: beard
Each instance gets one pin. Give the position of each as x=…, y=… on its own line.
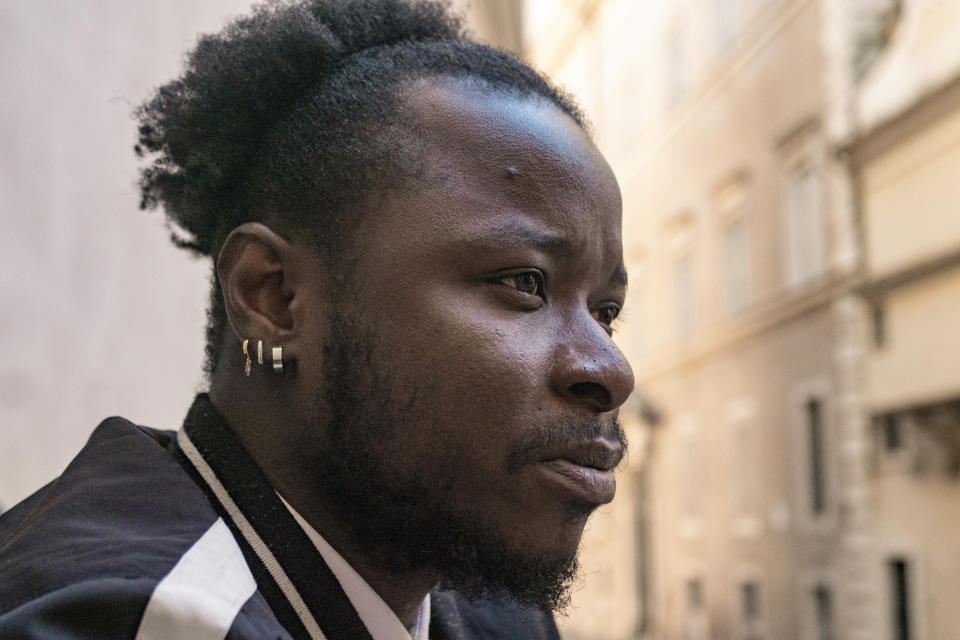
x=396, y=515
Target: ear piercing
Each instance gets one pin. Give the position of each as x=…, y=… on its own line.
x=246, y=354
x=276, y=354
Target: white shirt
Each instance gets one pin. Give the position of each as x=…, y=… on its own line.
x=376, y=615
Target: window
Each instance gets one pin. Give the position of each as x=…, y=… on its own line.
x=694, y=595
x=879, y=325
x=750, y=626
x=899, y=577
x=816, y=455
x=746, y=474
x=750, y=600
x=745, y=467
x=696, y=618
x=892, y=433
x=803, y=231
x=736, y=255
x=683, y=294
x=814, y=464
x=823, y=612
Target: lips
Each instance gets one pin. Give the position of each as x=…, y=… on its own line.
x=596, y=454
x=583, y=471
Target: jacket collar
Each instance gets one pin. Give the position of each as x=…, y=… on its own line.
x=292, y=576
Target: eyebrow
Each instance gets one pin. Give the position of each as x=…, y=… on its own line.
x=517, y=234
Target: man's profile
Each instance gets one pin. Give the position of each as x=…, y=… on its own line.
x=413, y=385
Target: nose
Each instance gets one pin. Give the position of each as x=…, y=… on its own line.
x=589, y=370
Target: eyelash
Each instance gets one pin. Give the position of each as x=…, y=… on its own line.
x=536, y=276
x=538, y=287
x=614, y=310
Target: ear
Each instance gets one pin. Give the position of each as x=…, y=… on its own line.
x=259, y=273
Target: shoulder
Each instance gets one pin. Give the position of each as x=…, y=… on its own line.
x=95, y=608
x=122, y=514
x=454, y=617
x=125, y=544
x=133, y=608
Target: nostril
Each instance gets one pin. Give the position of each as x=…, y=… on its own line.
x=591, y=390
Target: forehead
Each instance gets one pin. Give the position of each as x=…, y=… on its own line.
x=522, y=147
x=485, y=162
x=495, y=181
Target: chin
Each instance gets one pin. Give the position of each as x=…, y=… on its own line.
x=559, y=530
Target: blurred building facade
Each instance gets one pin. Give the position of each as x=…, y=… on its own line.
x=737, y=257
x=790, y=177
x=905, y=156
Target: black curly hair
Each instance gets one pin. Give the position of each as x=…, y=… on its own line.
x=291, y=115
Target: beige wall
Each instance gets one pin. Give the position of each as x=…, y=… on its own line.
x=100, y=315
x=910, y=199
x=729, y=392
x=919, y=361
x=909, y=115
x=495, y=22
x=914, y=512
x=766, y=378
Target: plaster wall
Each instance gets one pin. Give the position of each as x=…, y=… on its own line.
x=910, y=196
x=687, y=164
x=907, y=109
x=771, y=374
x=915, y=365
x=913, y=513
x=101, y=315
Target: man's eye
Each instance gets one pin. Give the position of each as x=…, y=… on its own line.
x=529, y=282
x=605, y=315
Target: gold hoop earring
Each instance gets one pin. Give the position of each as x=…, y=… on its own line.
x=246, y=354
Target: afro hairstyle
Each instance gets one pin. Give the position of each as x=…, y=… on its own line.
x=295, y=105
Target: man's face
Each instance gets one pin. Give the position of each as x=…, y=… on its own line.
x=470, y=381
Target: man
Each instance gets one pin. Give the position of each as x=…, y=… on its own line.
x=413, y=386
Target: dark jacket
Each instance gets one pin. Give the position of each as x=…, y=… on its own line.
x=83, y=557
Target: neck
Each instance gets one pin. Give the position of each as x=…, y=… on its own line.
x=265, y=427
x=402, y=592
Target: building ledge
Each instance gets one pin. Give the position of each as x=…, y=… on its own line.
x=787, y=306
x=874, y=289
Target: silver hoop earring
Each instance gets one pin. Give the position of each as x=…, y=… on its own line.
x=277, y=354
x=259, y=351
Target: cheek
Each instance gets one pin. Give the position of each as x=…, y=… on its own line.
x=476, y=366
x=473, y=390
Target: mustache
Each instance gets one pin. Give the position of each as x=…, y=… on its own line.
x=567, y=431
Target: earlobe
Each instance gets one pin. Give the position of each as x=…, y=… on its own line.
x=256, y=269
